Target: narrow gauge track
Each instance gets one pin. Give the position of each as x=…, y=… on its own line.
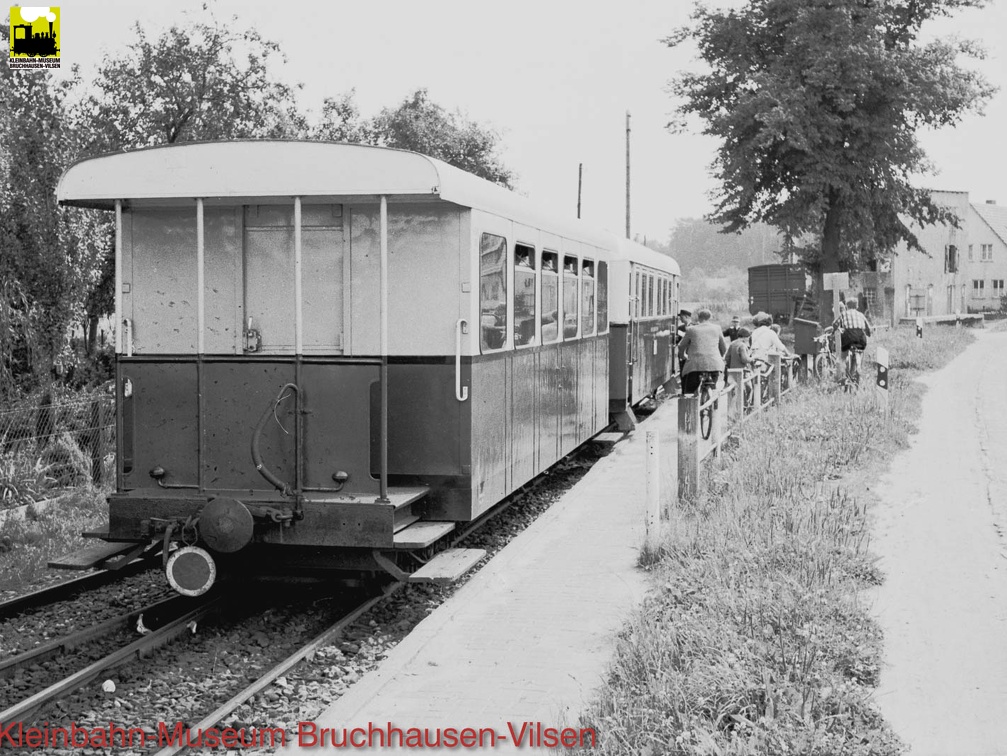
x=69, y=588
x=138, y=648
x=541, y=497
x=59, y=646
x=215, y=717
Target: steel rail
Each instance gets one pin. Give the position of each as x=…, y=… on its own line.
x=67, y=643
x=138, y=648
x=60, y=591
x=326, y=637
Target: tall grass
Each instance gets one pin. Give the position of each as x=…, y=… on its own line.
x=756, y=639
x=27, y=544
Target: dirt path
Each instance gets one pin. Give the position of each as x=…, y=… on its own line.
x=941, y=533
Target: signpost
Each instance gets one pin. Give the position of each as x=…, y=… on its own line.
x=882, y=380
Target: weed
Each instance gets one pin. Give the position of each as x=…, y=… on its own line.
x=757, y=640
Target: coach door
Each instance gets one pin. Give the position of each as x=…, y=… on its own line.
x=270, y=289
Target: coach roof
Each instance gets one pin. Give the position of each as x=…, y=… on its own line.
x=251, y=171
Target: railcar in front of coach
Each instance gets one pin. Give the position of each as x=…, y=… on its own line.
x=644, y=304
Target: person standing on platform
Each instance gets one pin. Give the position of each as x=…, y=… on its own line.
x=731, y=332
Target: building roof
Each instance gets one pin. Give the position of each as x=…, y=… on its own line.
x=995, y=217
x=255, y=171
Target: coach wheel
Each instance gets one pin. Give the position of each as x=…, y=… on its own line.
x=191, y=571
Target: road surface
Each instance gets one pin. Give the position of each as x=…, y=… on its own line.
x=941, y=533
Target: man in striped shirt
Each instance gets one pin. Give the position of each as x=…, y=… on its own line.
x=855, y=328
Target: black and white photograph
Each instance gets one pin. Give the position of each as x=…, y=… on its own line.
x=545, y=377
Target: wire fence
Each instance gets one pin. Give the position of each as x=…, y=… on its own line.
x=47, y=447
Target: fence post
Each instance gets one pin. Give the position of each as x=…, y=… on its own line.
x=688, y=445
x=775, y=377
x=669, y=448
x=736, y=378
x=652, y=477
x=717, y=412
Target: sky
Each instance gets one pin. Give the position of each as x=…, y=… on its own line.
x=555, y=78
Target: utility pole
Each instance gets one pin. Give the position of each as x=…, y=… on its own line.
x=580, y=185
x=627, y=176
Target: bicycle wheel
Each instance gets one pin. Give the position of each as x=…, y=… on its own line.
x=705, y=413
x=854, y=367
x=821, y=364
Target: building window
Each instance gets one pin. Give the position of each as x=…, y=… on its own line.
x=986, y=252
x=950, y=259
x=970, y=253
x=997, y=287
x=871, y=295
x=524, y=295
x=493, y=291
x=978, y=289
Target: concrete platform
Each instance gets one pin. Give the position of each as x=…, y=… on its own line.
x=527, y=641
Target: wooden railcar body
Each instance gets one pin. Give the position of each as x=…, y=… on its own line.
x=279, y=303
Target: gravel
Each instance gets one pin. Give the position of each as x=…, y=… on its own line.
x=186, y=680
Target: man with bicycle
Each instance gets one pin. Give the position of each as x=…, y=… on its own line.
x=854, y=329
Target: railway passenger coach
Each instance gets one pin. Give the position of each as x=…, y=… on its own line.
x=329, y=355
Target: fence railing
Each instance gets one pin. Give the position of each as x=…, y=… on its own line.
x=55, y=445
x=703, y=427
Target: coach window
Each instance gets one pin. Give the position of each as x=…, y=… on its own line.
x=550, y=297
x=641, y=289
x=493, y=291
x=570, y=297
x=650, y=295
x=524, y=295
x=664, y=296
x=602, y=297
x=587, y=298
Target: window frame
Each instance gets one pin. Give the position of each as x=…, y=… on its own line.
x=602, y=265
x=533, y=268
x=504, y=276
x=555, y=275
x=571, y=271
x=585, y=264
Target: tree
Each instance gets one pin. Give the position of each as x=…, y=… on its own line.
x=420, y=125
x=205, y=80
x=817, y=104
x=48, y=254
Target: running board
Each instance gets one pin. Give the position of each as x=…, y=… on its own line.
x=421, y=534
x=447, y=566
x=92, y=556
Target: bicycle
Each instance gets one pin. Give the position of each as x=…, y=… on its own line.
x=855, y=358
x=707, y=385
x=764, y=371
x=825, y=356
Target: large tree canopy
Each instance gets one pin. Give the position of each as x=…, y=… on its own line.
x=816, y=104
x=423, y=126
x=205, y=80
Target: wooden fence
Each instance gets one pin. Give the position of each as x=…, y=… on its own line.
x=703, y=428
